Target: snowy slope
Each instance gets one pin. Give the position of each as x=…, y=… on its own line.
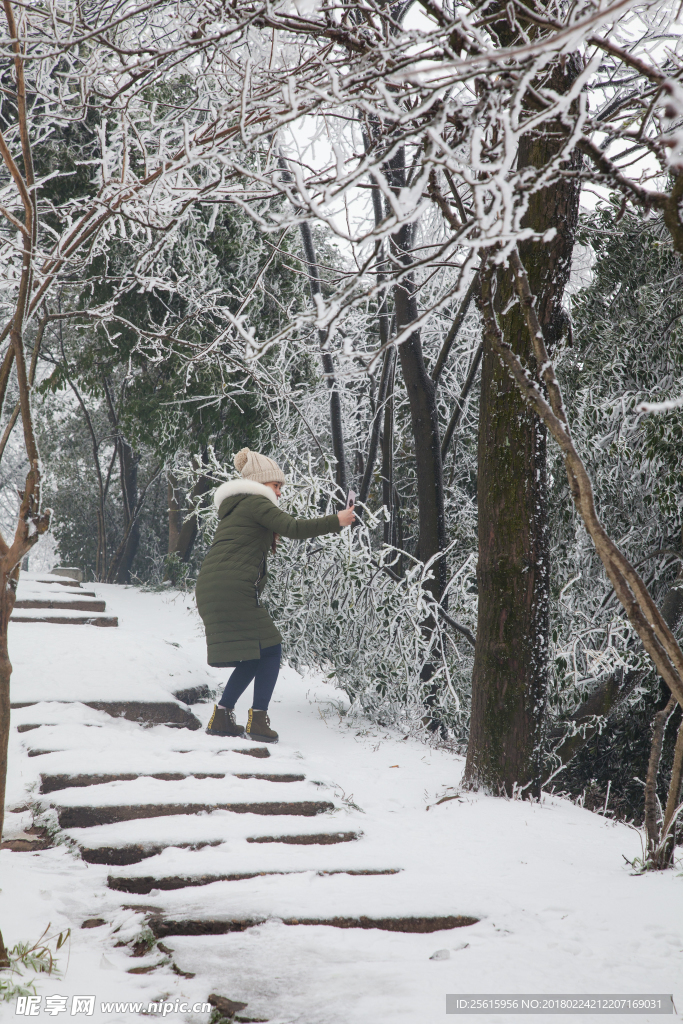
x=557, y=908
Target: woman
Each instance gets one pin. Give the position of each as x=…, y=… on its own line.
x=239, y=630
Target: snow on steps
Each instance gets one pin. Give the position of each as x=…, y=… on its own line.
x=50, y=783
x=178, y=826
x=202, y=829
x=389, y=902
x=146, y=712
x=147, y=797
x=135, y=840
x=43, y=597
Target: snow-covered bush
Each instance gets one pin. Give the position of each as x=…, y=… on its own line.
x=342, y=606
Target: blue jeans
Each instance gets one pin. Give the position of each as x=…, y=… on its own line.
x=264, y=671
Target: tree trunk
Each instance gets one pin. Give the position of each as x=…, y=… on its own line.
x=651, y=802
x=336, y=426
x=7, y=598
x=129, y=461
x=190, y=527
x=386, y=378
x=10, y=561
x=509, y=680
x=388, y=448
x=425, y=423
x=673, y=799
x=30, y=517
x=315, y=285
x=175, y=515
x=459, y=407
x=424, y=414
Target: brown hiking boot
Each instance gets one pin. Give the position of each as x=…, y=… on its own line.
x=222, y=723
x=258, y=727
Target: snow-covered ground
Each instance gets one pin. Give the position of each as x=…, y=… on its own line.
x=557, y=908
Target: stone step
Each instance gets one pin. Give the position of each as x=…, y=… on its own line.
x=77, y=605
x=26, y=591
x=312, y=839
x=49, y=581
x=68, y=620
x=249, y=751
x=134, y=853
x=149, y=712
x=55, y=783
x=34, y=838
x=142, y=885
x=163, y=927
x=87, y=817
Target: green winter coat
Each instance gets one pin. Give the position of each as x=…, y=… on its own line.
x=234, y=572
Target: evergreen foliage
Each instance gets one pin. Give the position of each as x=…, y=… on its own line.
x=627, y=348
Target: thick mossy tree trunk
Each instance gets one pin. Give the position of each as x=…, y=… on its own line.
x=510, y=674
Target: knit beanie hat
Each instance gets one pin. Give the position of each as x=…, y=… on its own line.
x=253, y=466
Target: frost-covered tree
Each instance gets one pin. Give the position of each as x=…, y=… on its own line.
x=402, y=135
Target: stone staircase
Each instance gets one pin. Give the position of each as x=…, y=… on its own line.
x=213, y=822
x=201, y=835
x=46, y=597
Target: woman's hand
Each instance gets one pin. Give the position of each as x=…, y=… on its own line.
x=346, y=517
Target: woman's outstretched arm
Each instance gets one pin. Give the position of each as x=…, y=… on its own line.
x=266, y=514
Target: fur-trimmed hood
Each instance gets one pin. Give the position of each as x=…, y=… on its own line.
x=243, y=487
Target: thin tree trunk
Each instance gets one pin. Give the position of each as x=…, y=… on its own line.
x=7, y=599
x=673, y=799
x=421, y=391
x=458, y=321
x=651, y=802
x=102, y=485
x=30, y=517
x=388, y=359
x=120, y=566
x=397, y=529
x=388, y=448
x=31, y=377
x=425, y=423
x=460, y=403
x=424, y=415
x=175, y=515
x=129, y=461
x=315, y=285
x=117, y=562
x=510, y=675
x=190, y=525
x=10, y=562
x=336, y=426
